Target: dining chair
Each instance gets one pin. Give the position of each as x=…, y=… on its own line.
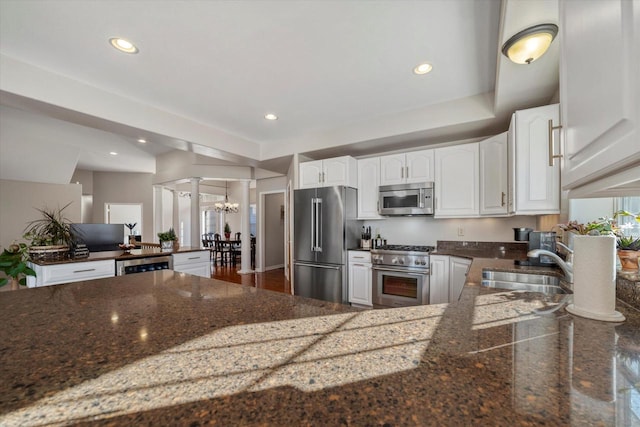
x=222, y=249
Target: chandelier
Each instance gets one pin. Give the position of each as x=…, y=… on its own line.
x=226, y=207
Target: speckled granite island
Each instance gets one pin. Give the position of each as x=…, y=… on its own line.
x=165, y=348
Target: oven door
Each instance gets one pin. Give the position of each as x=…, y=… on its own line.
x=394, y=287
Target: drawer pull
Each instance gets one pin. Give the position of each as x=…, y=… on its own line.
x=84, y=271
x=194, y=257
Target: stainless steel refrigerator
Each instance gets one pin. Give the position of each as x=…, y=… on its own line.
x=325, y=226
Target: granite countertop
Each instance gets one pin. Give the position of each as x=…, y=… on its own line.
x=166, y=348
x=121, y=255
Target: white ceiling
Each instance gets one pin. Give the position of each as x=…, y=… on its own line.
x=337, y=73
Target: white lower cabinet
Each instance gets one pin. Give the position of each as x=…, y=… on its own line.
x=360, y=275
x=458, y=268
x=439, y=279
x=70, y=272
x=197, y=263
x=448, y=276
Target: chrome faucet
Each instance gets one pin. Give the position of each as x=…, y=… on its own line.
x=566, y=267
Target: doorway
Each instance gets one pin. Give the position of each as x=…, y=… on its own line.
x=124, y=213
x=273, y=211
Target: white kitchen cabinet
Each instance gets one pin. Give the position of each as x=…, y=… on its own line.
x=360, y=278
x=439, y=279
x=458, y=268
x=599, y=96
x=329, y=172
x=494, y=175
x=415, y=166
x=457, y=189
x=70, y=272
x=197, y=263
x=368, y=182
x=536, y=185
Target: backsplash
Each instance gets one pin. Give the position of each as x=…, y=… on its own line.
x=428, y=230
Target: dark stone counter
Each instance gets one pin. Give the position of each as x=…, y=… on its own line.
x=165, y=348
x=121, y=255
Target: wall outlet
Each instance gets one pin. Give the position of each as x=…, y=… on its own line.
x=460, y=231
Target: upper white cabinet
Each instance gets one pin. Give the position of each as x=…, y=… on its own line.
x=368, y=182
x=600, y=94
x=536, y=184
x=493, y=175
x=415, y=166
x=457, y=181
x=329, y=172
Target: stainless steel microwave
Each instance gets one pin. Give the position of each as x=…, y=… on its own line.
x=406, y=199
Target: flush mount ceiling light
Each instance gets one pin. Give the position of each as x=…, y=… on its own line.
x=226, y=207
x=270, y=116
x=530, y=44
x=423, y=68
x=113, y=153
x=123, y=45
x=142, y=141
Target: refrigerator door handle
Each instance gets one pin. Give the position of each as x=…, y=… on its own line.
x=313, y=228
x=330, y=267
x=318, y=225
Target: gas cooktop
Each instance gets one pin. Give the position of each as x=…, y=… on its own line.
x=406, y=248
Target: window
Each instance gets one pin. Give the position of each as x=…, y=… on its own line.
x=628, y=224
x=252, y=219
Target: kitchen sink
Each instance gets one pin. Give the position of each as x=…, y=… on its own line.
x=542, y=283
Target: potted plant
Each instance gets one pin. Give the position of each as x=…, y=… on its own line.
x=227, y=231
x=13, y=262
x=49, y=236
x=628, y=252
x=167, y=239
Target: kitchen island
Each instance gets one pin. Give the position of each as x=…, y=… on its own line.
x=166, y=348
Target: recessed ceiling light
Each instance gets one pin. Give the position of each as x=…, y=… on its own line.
x=270, y=116
x=423, y=68
x=113, y=153
x=123, y=45
x=142, y=141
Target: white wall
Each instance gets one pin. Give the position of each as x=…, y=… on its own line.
x=588, y=210
x=120, y=187
x=274, y=230
x=20, y=200
x=427, y=230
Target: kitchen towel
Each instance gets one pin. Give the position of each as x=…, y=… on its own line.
x=594, y=278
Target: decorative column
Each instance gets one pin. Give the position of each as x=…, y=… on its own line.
x=195, y=212
x=157, y=214
x=175, y=218
x=245, y=229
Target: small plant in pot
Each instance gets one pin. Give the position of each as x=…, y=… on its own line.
x=167, y=239
x=13, y=262
x=628, y=252
x=227, y=231
x=49, y=236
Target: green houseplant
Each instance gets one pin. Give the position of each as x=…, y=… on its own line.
x=227, y=231
x=50, y=236
x=167, y=238
x=628, y=252
x=13, y=262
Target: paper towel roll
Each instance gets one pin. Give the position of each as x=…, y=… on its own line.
x=594, y=278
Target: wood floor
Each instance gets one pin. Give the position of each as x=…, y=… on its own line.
x=272, y=280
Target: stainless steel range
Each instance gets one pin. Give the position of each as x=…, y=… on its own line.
x=400, y=275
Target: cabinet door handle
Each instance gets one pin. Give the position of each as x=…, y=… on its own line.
x=402, y=172
x=502, y=199
x=323, y=177
x=319, y=176
x=84, y=271
x=406, y=173
x=551, y=144
x=194, y=257
x=358, y=265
